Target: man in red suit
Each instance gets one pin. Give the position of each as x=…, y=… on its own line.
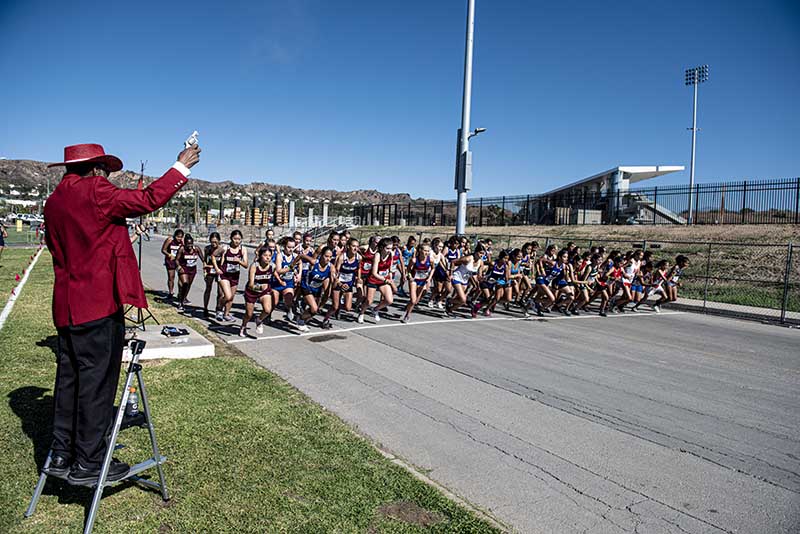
x=96, y=273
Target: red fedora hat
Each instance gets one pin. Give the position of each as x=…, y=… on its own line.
x=89, y=153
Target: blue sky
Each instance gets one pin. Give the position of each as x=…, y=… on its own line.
x=357, y=94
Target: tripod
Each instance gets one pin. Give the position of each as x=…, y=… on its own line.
x=121, y=422
x=142, y=315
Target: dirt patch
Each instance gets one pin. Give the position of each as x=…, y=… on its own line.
x=164, y=528
x=411, y=513
x=326, y=337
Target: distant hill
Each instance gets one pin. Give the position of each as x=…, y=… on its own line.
x=29, y=176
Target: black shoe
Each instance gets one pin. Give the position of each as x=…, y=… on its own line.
x=81, y=476
x=603, y=314
x=59, y=466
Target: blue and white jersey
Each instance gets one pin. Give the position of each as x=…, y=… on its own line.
x=315, y=277
x=348, y=270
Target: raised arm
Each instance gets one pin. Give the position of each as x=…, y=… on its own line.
x=117, y=203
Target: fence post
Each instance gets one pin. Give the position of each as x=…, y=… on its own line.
x=480, y=213
x=503, y=212
x=696, y=202
x=708, y=274
x=786, y=275
x=527, y=208
x=797, y=202
x=744, y=199
x=655, y=204
x=425, y=213
x=644, y=245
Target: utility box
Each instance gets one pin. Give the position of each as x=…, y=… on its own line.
x=586, y=217
x=562, y=216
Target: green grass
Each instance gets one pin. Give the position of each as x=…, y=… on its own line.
x=25, y=236
x=13, y=262
x=246, y=451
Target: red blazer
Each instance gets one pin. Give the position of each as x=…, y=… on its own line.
x=95, y=267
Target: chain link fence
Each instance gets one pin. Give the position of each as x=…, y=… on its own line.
x=748, y=280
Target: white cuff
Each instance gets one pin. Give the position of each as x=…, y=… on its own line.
x=183, y=169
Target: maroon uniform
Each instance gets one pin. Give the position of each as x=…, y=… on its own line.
x=230, y=266
x=262, y=278
x=188, y=261
x=174, y=247
x=366, y=262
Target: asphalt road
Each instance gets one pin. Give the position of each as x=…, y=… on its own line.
x=642, y=423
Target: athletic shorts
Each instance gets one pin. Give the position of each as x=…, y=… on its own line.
x=287, y=284
x=488, y=285
x=439, y=275
x=2, y=241
x=672, y=284
x=171, y=264
x=252, y=298
x=346, y=287
x=637, y=288
x=542, y=281
x=376, y=286
x=421, y=283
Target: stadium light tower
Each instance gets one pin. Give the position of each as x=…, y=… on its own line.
x=694, y=77
x=463, y=155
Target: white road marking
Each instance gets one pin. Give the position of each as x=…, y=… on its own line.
x=17, y=290
x=432, y=321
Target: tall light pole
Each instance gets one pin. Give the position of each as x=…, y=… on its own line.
x=463, y=182
x=694, y=77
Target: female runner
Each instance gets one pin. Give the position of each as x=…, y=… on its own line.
x=364, y=268
x=170, y=251
x=465, y=268
x=379, y=279
x=498, y=284
x=439, y=274
x=284, y=277
x=346, y=267
x=257, y=289
x=544, y=295
x=564, y=279
x=234, y=257
x=211, y=273
x=188, y=257
x=314, y=286
x=408, y=251
x=420, y=276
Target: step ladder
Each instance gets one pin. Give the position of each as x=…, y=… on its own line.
x=121, y=422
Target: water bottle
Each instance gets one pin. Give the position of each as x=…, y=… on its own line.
x=132, y=407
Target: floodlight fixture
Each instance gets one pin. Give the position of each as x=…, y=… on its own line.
x=694, y=77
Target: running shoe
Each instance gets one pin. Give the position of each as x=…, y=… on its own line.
x=229, y=318
x=657, y=308
x=243, y=332
x=326, y=325
x=218, y=316
x=303, y=328
x=634, y=309
x=565, y=311
x=614, y=310
x=440, y=305
x=206, y=314
x=539, y=312
x=376, y=316
x=603, y=314
x=487, y=312
x=187, y=301
x=259, y=328
x=431, y=304
x=290, y=316
x=404, y=319
x=360, y=319
x=475, y=309
x=574, y=311
x=180, y=307
x=449, y=314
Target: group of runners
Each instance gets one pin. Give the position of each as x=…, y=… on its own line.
x=454, y=276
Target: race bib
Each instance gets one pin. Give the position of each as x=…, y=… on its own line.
x=191, y=262
x=345, y=278
x=420, y=275
x=231, y=267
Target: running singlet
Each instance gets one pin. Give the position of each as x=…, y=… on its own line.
x=421, y=270
x=286, y=279
x=174, y=247
x=525, y=263
x=408, y=253
x=210, y=271
x=315, y=277
x=397, y=257
x=347, y=272
x=464, y=272
x=261, y=278
x=308, y=252
x=230, y=265
x=676, y=275
x=366, y=261
x=497, y=275
x=188, y=261
x=384, y=267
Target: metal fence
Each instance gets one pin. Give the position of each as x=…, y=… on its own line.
x=744, y=202
x=749, y=280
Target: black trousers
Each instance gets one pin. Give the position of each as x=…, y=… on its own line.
x=89, y=359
